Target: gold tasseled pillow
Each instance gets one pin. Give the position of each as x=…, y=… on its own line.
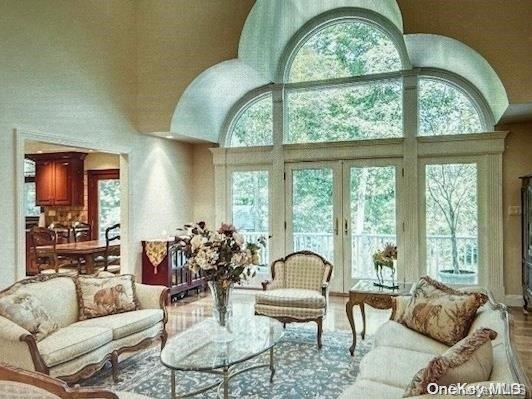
x=469, y=361
x=103, y=296
x=441, y=312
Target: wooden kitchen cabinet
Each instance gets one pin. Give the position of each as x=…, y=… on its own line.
x=59, y=178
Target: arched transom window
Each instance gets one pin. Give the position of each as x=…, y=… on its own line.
x=344, y=81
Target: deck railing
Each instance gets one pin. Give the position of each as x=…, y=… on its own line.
x=439, y=250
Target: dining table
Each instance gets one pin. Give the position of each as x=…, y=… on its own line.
x=88, y=250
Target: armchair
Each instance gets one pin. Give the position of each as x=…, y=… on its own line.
x=298, y=290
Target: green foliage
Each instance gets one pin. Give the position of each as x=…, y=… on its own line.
x=255, y=126
x=109, y=204
x=444, y=109
x=250, y=201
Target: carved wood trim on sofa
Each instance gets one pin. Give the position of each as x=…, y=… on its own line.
x=52, y=385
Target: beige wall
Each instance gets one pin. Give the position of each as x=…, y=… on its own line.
x=517, y=162
x=68, y=68
x=102, y=160
x=203, y=186
x=177, y=40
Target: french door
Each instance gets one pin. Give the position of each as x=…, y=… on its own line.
x=344, y=211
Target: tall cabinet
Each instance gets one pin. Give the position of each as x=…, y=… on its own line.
x=526, y=204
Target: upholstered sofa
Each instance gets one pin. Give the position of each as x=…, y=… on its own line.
x=399, y=353
x=80, y=348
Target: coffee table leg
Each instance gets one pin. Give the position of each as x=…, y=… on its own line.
x=226, y=383
x=363, y=312
x=272, y=365
x=349, y=310
x=173, y=384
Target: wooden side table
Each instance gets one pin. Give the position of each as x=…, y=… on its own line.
x=366, y=293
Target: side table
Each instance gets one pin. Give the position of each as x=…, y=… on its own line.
x=366, y=293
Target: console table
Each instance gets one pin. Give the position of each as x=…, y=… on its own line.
x=366, y=293
x=164, y=264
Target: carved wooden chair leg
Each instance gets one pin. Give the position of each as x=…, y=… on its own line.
x=319, y=321
x=164, y=338
x=114, y=366
x=284, y=326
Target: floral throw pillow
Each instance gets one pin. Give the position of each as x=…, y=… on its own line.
x=441, y=312
x=103, y=296
x=27, y=311
x=469, y=361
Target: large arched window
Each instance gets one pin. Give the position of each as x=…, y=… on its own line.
x=344, y=49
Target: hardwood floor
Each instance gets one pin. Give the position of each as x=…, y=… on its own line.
x=195, y=308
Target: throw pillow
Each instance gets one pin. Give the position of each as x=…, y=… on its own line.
x=441, y=312
x=469, y=361
x=103, y=296
x=27, y=311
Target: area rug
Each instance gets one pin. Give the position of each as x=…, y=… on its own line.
x=302, y=371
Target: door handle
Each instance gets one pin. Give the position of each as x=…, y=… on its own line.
x=346, y=227
x=336, y=229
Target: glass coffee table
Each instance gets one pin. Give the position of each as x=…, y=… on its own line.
x=194, y=350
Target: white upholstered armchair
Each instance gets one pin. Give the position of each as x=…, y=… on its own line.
x=298, y=290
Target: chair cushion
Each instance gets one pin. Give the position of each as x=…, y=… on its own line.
x=124, y=324
x=71, y=342
x=397, y=335
x=19, y=390
x=305, y=271
x=291, y=312
x=288, y=297
x=365, y=389
x=375, y=366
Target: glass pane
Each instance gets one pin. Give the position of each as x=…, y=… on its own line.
x=368, y=111
x=251, y=206
x=313, y=211
x=452, y=223
x=30, y=199
x=345, y=49
x=445, y=109
x=108, y=204
x=372, y=217
x=29, y=168
x=254, y=126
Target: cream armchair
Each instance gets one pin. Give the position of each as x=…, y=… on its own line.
x=298, y=290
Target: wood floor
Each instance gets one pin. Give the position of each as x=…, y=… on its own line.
x=195, y=308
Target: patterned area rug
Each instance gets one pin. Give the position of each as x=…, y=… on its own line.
x=302, y=371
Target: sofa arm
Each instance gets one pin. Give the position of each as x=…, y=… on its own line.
x=13, y=349
x=399, y=304
x=152, y=296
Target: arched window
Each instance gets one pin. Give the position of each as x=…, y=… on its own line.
x=446, y=109
x=254, y=125
x=344, y=49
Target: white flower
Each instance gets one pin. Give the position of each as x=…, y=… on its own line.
x=239, y=238
x=196, y=242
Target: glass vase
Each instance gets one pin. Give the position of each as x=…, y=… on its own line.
x=221, y=295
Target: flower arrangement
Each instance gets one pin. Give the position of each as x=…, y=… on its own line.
x=222, y=255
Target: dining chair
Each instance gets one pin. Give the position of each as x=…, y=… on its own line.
x=62, y=231
x=112, y=254
x=43, y=242
x=82, y=231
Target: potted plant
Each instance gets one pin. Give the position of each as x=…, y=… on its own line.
x=224, y=258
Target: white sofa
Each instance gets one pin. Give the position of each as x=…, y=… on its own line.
x=399, y=353
x=80, y=348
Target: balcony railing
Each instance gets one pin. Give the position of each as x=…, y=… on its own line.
x=439, y=250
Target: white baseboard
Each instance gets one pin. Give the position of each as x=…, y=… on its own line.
x=513, y=300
